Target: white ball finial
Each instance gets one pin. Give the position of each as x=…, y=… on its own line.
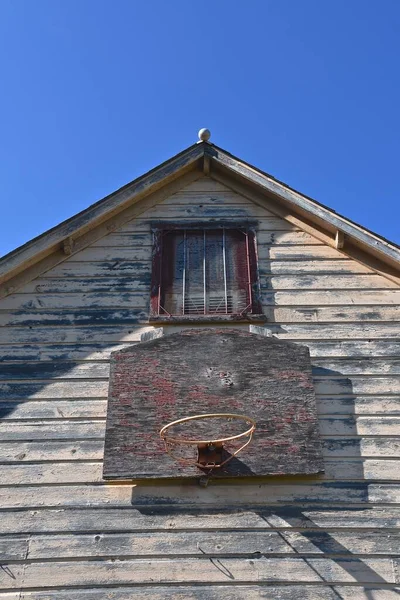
x=204, y=135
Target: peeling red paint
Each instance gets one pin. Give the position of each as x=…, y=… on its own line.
x=212, y=370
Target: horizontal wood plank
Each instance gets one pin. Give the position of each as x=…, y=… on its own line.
x=124, y=239
x=104, y=281
x=51, y=430
x=209, y=212
x=102, y=315
x=361, y=446
x=204, y=184
x=55, y=370
x=86, y=520
x=70, y=429
x=266, y=223
x=309, y=298
x=216, y=495
x=24, y=353
x=199, y=543
x=70, y=448
x=259, y=591
x=98, y=315
x=359, y=425
x=52, y=450
x=30, y=302
x=265, y=252
x=73, y=334
x=295, y=238
x=334, y=383
x=356, y=366
x=102, y=572
x=323, y=282
x=358, y=405
x=139, y=273
x=349, y=348
x=53, y=410
x=118, y=333
x=86, y=472
x=49, y=351
x=304, y=253
x=190, y=197
x=139, y=253
x=329, y=367
x=93, y=408
x=69, y=388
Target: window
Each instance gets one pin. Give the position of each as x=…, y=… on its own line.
x=204, y=272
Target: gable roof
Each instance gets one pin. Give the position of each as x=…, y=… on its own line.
x=70, y=236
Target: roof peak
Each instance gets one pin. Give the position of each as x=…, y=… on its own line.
x=74, y=234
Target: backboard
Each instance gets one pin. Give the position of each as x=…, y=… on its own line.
x=199, y=371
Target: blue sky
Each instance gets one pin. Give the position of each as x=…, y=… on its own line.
x=94, y=93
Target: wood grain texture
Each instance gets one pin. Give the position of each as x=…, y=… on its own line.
x=200, y=543
x=87, y=472
x=30, y=302
x=26, y=335
x=322, y=537
x=100, y=369
x=221, y=371
x=260, y=591
x=132, y=333
x=53, y=408
x=61, y=445
x=344, y=493
x=295, y=237
x=192, y=570
x=140, y=270
x=354, y=521
x=99, y=315
x=267, y=223
x=16, y=450
x=94, y=428
x=101, y=351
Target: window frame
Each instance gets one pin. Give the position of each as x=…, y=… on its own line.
x=254, y=314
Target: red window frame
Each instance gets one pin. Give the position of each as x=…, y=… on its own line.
x=161, y=267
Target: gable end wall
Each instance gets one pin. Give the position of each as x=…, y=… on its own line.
x=63, y=528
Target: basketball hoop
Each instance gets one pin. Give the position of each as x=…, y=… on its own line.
x=210, y=452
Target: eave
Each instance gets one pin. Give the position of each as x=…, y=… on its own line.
x=339, y=231
x=74, y=234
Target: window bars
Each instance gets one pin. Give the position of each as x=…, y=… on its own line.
x=203, y=272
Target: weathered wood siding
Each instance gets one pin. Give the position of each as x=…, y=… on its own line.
x=66, y=534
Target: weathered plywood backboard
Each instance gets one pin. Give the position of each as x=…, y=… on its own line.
x=200, y=371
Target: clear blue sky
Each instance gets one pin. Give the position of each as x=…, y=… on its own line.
x=95, y=92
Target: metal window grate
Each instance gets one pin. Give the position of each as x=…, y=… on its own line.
x=204, y=272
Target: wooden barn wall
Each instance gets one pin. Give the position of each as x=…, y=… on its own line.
x=64, y=533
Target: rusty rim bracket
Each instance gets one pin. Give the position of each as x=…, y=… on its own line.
x=209, y=452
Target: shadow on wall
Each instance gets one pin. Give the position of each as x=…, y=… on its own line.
x=341, y=445
x=307, y=543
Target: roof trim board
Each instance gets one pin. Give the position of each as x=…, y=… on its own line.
x=101, y=210
x=312, y=207
x=201, y=157
x=33, y=269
